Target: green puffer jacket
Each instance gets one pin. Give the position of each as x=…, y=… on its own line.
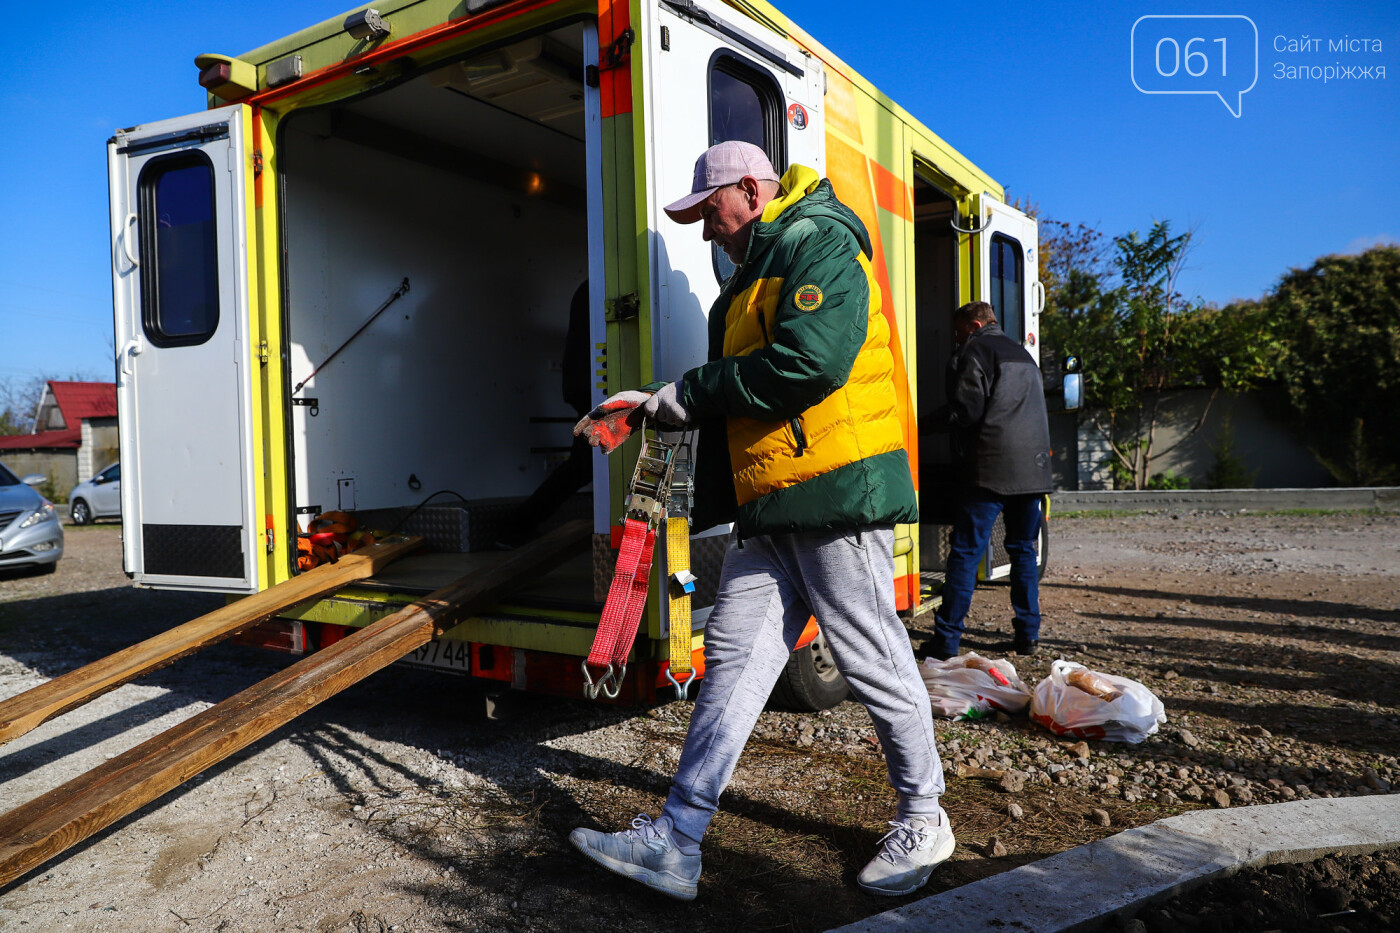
x=798, y=422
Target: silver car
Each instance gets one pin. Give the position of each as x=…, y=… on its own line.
x=30, y=534
x=99, y=497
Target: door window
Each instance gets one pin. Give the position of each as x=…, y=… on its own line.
x=745, y=104
x=1008, y=297
x=179, y=250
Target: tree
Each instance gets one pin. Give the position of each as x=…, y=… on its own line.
x=1338, y=322
x=19, y=402
x=1139, y=337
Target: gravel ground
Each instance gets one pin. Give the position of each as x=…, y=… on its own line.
x=1274, y=642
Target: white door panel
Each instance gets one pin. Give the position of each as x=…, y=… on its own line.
x=184, y=389
x=1008, y=270
x=687, y=41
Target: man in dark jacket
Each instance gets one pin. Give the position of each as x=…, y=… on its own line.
x=802, y=449
x=1001, y=448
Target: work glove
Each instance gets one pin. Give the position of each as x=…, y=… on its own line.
x=610, y=424
x=666, y=407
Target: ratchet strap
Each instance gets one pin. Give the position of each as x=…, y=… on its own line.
x=622, y=613
x=678, y=670
x=649, y=493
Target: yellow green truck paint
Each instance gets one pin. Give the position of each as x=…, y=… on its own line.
x=861, y=122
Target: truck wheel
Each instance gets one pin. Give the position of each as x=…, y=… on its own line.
x=810, y=681
x=81, y=512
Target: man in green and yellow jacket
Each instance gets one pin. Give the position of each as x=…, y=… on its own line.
x=801, y=447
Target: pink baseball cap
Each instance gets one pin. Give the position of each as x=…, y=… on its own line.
x=718, y=166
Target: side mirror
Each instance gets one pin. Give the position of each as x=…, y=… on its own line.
x=1073, y=391
x=34, y=479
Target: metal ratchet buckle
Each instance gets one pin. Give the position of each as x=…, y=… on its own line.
x=650, y=490
x=682, y=686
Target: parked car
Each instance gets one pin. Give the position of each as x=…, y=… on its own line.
x=30, y=533
x=99, y=497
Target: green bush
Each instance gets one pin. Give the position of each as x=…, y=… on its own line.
x=1168, y=480
x=1227, y=470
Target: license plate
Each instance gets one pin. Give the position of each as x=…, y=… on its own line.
x=443, y=654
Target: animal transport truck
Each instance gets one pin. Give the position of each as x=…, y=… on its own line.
x=346, y=285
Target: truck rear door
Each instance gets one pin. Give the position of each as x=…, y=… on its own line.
x=179, y=220
x=715, y=75
x=1008, y=271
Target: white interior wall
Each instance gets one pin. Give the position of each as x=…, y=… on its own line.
x=443, y=384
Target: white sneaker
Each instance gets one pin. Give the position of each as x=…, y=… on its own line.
x=908, y=854
x=644, y=853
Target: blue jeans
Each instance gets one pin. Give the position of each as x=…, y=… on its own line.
x=972, y=530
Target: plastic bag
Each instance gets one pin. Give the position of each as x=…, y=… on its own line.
x=971, y=686
x=1085, y=704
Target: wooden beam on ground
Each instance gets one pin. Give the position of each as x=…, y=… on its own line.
x=40, y=829
x=27, y=710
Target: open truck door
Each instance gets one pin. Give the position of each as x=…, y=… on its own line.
x=714, y=77
x=1008, y=273
x=179, y=217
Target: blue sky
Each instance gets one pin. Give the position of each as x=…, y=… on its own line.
x=1039, y=95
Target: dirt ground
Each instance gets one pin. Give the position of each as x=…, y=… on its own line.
x=1273, y=640
x=1336, y=894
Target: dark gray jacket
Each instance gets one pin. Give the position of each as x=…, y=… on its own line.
x=996, y=412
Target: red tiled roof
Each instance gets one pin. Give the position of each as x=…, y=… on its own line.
x=79, y=400
x=44, y=440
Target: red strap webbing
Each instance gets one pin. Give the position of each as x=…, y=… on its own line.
x=622, y=612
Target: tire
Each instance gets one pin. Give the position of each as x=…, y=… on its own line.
x=81, y=512
x=810, y=681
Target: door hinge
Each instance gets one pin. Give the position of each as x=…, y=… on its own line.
x=257, y=162
x=622, y=308
x=264, y=354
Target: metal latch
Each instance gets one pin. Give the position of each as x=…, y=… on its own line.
x=622, y=308
x=311, y=403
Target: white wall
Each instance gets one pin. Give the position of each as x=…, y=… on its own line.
x=442, y=385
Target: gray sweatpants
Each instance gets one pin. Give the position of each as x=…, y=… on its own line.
x=768, y=590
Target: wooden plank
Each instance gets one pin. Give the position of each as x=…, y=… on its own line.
x=40, y=829
x=25, y=711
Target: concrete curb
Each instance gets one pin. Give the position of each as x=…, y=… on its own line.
x=1083, y=887
x=1386, y=498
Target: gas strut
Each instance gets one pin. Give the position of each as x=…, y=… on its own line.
x=398, y=293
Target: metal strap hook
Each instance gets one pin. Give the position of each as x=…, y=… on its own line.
x=590, y=688
x=682, y=686
x=616, y=676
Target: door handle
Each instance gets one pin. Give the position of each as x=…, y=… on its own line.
x=130, y=350
x=126, y=240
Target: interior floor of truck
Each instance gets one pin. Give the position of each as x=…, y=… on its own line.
x=570, y=586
